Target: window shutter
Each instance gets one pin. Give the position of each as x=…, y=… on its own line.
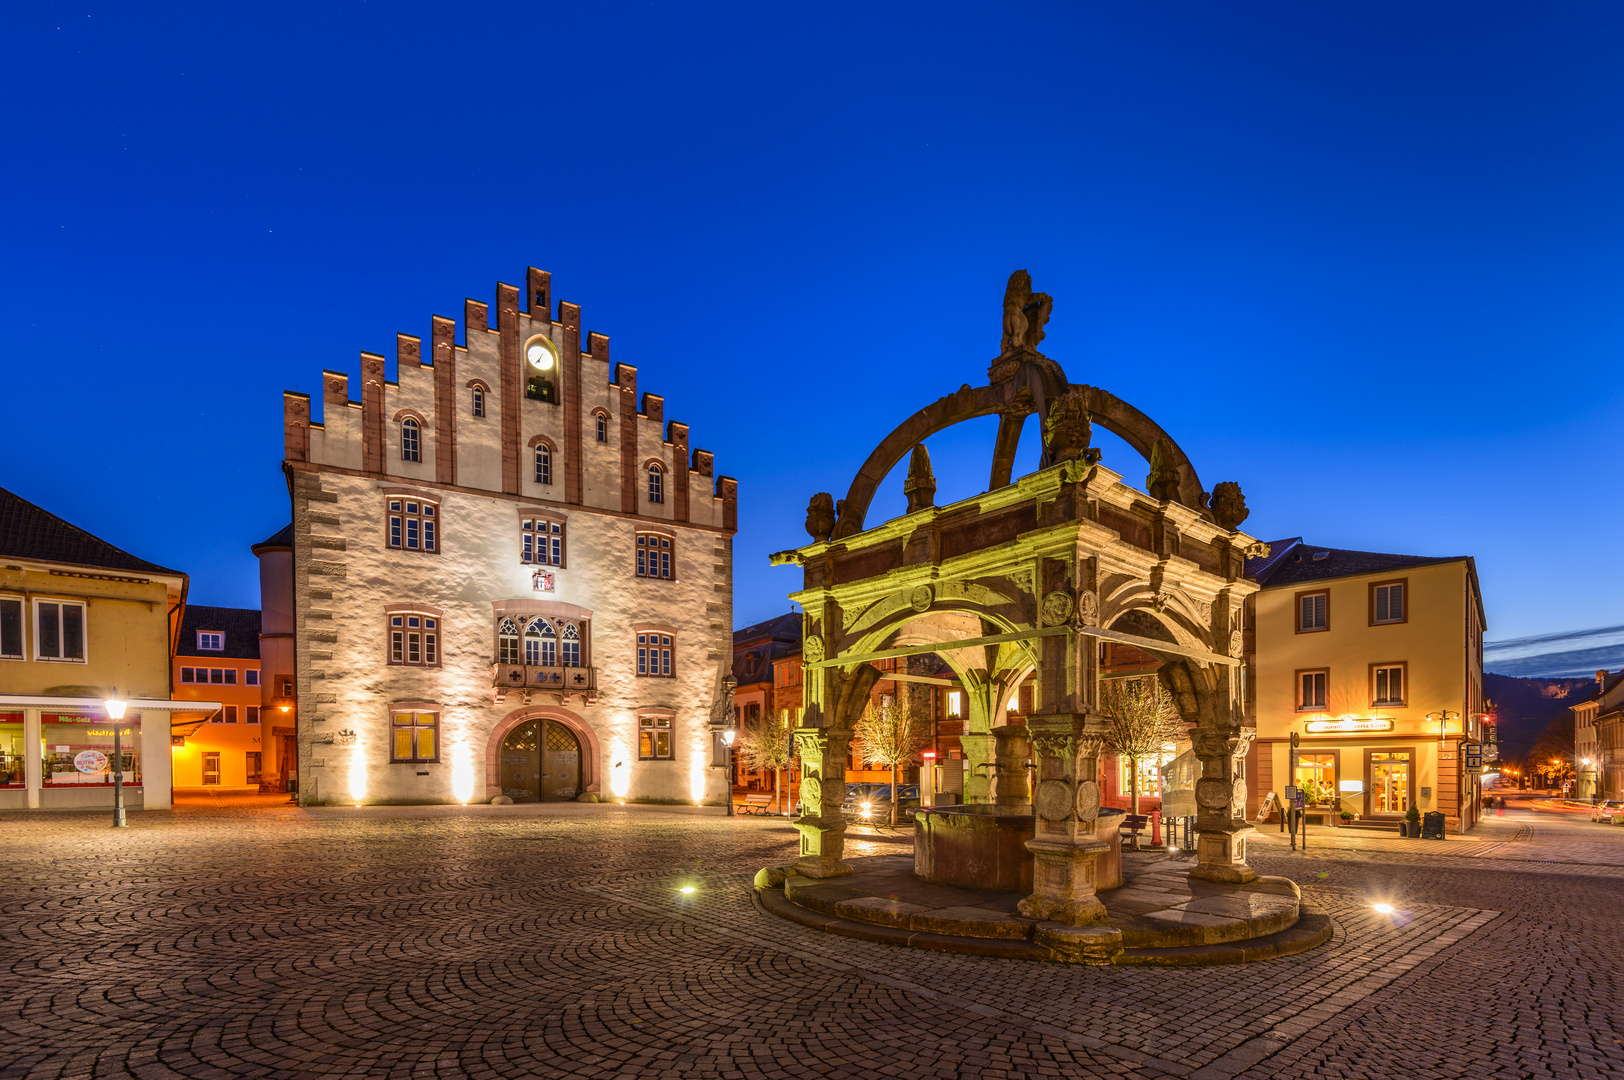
x=1395, y=602
x=1382, y=602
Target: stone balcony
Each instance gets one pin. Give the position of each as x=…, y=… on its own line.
x=529, y=679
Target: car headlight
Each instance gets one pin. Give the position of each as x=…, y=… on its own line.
x=867, y=807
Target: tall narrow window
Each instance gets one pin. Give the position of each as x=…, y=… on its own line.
x=479, y=401
x=602, y=425
x=1389, y=685
x=653, y=555
x=507, y=642
x=11, y=629
x=571, y=646
x=656, y=484
x=1387, y=602
x=414, y=737
x=549, y=643
x=1311, y=612
x=59, y=631
x=1311, y=690
x=544, y=464
x=410, y=444
x=532, y=642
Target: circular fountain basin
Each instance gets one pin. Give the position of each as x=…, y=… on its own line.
x=983, y=846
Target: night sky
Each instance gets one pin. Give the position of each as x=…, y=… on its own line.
x=1365, y=259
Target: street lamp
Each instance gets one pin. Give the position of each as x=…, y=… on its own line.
x=727, y=772
x=115, y=713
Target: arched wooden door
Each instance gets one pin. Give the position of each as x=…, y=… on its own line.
x=541, y=762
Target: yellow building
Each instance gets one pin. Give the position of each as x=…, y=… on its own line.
x=217, y=658
x=82, y=622
x=1375, y=663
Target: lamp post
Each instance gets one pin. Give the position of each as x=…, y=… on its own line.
x=727, y=758
x=115, y=713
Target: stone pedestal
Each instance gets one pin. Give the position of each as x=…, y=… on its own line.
x=823, y=789
x=1012, y=745
x=1066, y=802
x=1220, y=801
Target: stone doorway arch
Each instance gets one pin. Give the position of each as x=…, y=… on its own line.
x=1033, y=575
x=582, y=732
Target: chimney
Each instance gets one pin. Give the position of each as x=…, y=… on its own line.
x=1601, y=680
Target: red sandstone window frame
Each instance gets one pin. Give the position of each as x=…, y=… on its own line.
x=543, y=538
x=656, y=735
x=600, y=425
x=413, y=634
x=656, y=646
x=477, y=393
x=414, y=530
x=655, y=472
x=656, y=555
x=425, y=719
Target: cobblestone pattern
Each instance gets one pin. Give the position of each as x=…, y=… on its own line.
x=553, y=941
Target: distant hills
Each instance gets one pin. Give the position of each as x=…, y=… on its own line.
x=1527, y=708
x=1575, y=654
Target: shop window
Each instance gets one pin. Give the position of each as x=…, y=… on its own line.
x=653, y=556
x=211, y=767
x=1312, y=612
x=412, y=525
x=414, y=639
x=251, y=767
x=1315, y=777
x=955, y=704
x=415, y=736
x=1390, y=779
x=1389, y=685
x=654, y=738
x=11, y=629
x=1150, y=773
x=541, y=541
x=1311, y=691
x=211, y=641
x=79, y=749
x=11, y=750
x=654, y=655
x=1387, y=602
x=59, y=631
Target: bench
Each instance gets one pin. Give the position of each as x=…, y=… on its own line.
x=757, y=804
x=1133, y=825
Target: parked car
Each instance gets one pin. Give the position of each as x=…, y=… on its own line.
x=1610, y=812
x=872, y=802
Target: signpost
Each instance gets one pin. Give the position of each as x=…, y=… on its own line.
x=1474, y=757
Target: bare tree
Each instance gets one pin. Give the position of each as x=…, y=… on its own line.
x=891, y=734
x=768, y=744
x=1142, y=720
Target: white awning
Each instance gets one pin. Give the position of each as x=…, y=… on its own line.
x=85, y=704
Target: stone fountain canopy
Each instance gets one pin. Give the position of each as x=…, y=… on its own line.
x=1029, y=577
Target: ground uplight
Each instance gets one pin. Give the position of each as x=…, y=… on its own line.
x=1385, y=909
x=686, y=889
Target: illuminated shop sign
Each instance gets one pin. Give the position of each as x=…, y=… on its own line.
x=1348, y=723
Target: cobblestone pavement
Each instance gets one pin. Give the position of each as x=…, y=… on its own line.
x=421, y=942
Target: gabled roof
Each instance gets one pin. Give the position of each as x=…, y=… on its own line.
x=1257, y=567
x=1306, y=562
x=31, y=532
x=240, y=626
x=756, y=647
x=1606, y=687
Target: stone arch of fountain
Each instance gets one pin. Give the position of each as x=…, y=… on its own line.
x=1031, y=576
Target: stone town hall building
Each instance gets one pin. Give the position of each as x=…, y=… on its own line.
x=511, y=575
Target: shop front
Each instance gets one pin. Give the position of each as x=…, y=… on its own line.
x=1372, y=776
x=59, y=753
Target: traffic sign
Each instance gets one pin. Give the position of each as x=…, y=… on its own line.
x=1474, y=756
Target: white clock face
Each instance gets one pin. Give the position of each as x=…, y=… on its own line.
x=540, y=357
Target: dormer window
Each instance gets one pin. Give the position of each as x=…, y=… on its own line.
x=211, y=641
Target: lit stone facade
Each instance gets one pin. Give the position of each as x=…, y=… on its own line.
x=498, y=485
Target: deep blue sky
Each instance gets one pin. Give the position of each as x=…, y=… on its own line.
x=1364, y=258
